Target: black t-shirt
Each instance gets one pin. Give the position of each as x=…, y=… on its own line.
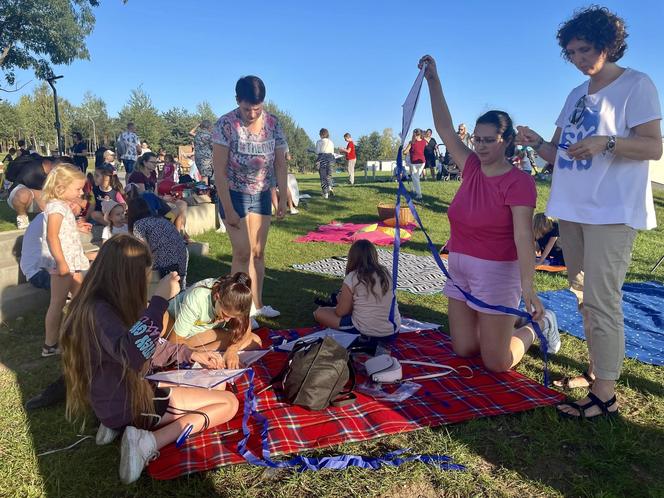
x=80, y=161
x=430, y=149
x=556, y=253
x=27, y=171
x=101, y=196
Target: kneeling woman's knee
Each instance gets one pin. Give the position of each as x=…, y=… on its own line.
x=465, y=351
x=497, y=365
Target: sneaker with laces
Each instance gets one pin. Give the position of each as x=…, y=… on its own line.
x=50, y=350
x=22, y=222
x=105, y=435
x=551, y=332
x=53, y=394
x=138, y=448
x=293, y=211
x=267, y=311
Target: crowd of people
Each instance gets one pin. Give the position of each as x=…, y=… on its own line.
x=113, y=334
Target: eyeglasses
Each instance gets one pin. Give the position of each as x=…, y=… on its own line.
x=484, y=140
x=579, y=110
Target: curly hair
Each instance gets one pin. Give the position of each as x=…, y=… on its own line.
x=596, y=25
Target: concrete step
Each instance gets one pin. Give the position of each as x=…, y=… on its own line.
x=10, y=245
x=10, y=274
x=19, y=300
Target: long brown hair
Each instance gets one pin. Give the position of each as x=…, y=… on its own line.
x=363, y=259
x=542, y=225
x=233, y=295
x=117, y=277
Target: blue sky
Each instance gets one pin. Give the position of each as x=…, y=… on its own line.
x=347, y=67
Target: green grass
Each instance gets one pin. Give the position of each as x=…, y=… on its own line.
x=529, y=454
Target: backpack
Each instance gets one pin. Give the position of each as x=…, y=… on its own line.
x=120, y=147
x=316, y=373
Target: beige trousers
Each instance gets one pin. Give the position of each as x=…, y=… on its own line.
x=351, y=171
x=597, y=258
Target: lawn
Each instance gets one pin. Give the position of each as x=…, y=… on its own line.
x=530, y=454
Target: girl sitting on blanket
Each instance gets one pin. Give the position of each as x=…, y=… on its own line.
x=546, y=238
x=214, y=314
x=110, y=340
x=364, y=302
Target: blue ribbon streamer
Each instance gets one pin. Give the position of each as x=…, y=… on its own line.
x=337, y=462
x=401, y=190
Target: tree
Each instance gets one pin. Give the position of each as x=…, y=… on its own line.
x=9, y=124
x=140, y=110
x=389, y=145
x=178, y=122
x=299, y=142
x=368, y=148
x=37, y=34
x=204, y=111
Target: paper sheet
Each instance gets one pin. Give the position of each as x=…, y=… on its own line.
x=343, y=338
x=197, y=377
x=412, y=325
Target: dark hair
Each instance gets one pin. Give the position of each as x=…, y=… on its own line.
x=78, y=136
x=21, y=143
x=324, y=133
x=250, y=89
x=429, y=130
x=504, y=127
x=140, y=162
x=169, y=158
x=115, y=181
x=233, y=293
x=130, y=124
x=596, y=25
x=363, y=259
x=346, y=135
x=12, y=150
x=137, y=209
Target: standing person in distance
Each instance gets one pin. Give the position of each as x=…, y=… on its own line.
x=325, y=162
x=79, y=152
x=607, y=131
x=351, y=157
x=430, y=153
x=416, y=160
x=129, y=147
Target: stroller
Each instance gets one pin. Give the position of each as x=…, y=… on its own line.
x=448, y=170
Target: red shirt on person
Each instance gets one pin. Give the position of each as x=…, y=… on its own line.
x=481, y=216
x=350, y=155
x=417, y=151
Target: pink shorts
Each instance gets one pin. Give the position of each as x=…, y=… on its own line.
x=494, y=282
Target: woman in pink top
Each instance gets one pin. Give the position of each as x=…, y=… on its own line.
x=491, y=243
x=415, y=151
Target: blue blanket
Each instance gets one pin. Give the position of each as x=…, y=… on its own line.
x=643, y=305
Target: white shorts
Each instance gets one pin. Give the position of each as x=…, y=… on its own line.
x=32, y=208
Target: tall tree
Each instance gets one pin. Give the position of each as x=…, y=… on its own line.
x=204, y=111
x=140, y=110
x=389, y=145
x=37, y=116
x=299, y=142
x=36, y=34
x=178, y=122
x=369, y=148
x=9, y=123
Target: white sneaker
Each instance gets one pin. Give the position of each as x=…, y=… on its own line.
x=267, y=311
x=551, y=332
x=105, y=435
x=326, y=196
x=294, y=211
x=254, y=324
x=22, y=222
x=138, y=448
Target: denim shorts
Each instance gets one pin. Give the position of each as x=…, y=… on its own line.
x=260, y=203
x=41, y=280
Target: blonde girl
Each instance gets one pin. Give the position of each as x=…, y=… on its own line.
x=110, y=340
x=62, y=251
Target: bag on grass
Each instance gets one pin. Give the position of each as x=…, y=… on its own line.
x=316, y=373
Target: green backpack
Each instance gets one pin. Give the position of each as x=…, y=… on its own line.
x=316, y=374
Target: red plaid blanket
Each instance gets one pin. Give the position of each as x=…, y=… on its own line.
x=439, y=401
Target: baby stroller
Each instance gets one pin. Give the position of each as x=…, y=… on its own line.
x=448, y=170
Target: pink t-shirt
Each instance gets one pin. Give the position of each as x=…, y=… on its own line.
x=480, y=214
x=169, y=172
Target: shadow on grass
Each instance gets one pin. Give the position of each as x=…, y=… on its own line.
x=600, y=458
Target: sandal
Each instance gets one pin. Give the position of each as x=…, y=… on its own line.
x=565, y=381
x=594, y=401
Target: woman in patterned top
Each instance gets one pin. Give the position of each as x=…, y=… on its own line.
x=203, y=149
x=248, y=151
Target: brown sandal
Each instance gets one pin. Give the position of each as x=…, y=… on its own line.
x=565, y=381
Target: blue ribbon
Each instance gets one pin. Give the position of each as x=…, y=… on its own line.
x=401, y=190
x=337, y=462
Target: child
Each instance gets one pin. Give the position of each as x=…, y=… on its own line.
x=351, y=157
x=546, y=236
x=363, y=305
x=62, y=251
x=167, y=246
x=110, y=339
x=214, y=313
x=115, y=215
x=107, y=187
x=170, y=170
x=325, y=162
